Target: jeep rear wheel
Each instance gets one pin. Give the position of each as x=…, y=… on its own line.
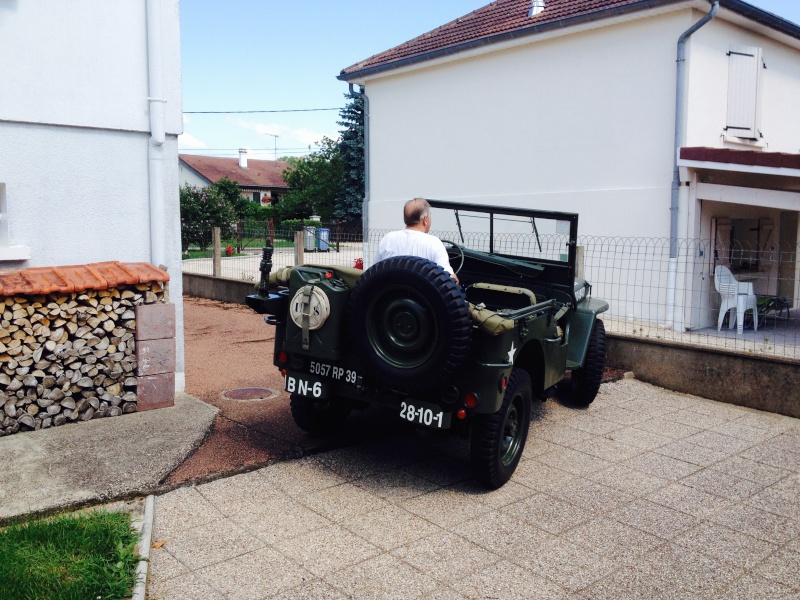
x=316, y=416
x=410, y=323
x=584, y=383
x=499, y=439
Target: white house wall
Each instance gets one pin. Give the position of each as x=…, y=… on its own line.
x=708, y=88
x=577, y=123
x=74, y=131
x=190, y=177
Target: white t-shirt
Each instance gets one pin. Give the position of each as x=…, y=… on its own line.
x=410, y=242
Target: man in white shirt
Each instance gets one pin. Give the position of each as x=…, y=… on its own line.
x=415, y=240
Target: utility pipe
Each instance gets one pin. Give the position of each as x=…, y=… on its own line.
x=365, y=204
x=155, y=147
x=676, y=177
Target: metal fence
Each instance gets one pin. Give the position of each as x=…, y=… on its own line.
x=651, y=295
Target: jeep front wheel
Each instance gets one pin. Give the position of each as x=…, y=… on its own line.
x=499, y=439
x=318, y=417
x=584, y=383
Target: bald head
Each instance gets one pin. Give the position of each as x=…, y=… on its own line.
x=415, y=211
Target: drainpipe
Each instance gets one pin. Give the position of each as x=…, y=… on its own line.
x=155, y=147
x=676, y=178
x=365, y=204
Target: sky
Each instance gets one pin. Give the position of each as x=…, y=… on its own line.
x=279, y=55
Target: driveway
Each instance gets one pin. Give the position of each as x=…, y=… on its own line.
x=645, y=494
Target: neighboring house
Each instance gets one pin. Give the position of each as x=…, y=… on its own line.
x=90, y=112
x=571, y=105
x=260, y=180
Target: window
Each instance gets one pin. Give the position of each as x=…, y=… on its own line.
x=257, y=197
x=9, y=252
x=745, y=66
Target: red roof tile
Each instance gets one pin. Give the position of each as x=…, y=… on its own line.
x=76, y=278
x=742, y=157
x=259, y=173
x=509, y=18
x=499, y=17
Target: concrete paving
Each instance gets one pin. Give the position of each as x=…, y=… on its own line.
x=645, y=494
x=89, y=462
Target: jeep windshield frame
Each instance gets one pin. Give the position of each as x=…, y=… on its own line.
x=557, y=273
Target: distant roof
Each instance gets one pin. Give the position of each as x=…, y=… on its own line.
x=259, y=173
x=506, y=19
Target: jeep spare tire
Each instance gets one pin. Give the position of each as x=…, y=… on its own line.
x=410, y=323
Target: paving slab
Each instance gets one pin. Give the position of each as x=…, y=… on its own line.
x=705, y=507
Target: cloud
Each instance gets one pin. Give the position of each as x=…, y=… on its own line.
x=307, y=136
x=187, y=140
x=288, y=137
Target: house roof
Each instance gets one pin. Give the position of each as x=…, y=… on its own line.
x=259, y=173
x=506, y=19
x=777, y=160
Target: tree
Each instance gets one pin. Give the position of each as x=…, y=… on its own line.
x=232, y=192
x=202, y=209
x=351, y=148
x=315, y=182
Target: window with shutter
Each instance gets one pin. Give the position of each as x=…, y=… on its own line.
x=745, y=65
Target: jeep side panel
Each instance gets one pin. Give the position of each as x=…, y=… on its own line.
x=581, y=328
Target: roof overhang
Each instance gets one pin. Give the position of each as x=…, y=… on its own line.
x=740, y=161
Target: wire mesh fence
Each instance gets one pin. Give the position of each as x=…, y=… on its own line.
x=655, y=290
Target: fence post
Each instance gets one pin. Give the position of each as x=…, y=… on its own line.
x=216, y=244
x=298, y=247
x=580, y=254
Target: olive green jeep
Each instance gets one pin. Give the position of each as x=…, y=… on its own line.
x=468, y=356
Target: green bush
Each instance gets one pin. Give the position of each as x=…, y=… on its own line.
x=298, y=224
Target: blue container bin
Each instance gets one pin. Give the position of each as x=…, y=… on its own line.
x=323, y=237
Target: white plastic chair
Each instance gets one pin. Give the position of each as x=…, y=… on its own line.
x=738, y=295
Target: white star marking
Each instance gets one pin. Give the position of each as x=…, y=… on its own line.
x=511, y=353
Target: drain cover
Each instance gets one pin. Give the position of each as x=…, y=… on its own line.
x=251, y=393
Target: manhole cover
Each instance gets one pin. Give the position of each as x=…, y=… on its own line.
x=251, y=394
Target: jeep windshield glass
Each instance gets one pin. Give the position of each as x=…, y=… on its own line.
x=545, y=236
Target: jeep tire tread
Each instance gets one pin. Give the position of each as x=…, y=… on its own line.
x=410, y=323
x=498, y=440
x=318, y=417
x=585, y=382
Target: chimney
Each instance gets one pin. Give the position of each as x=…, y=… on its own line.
x=243, y=158
x=537, y=6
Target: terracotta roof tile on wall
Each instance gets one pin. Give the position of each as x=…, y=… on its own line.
x=778, y=160
x=498, y=17
x=36, y=281
x=259, y=173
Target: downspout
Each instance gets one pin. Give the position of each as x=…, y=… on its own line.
x=365, y=204
x=676, y=178
x=155, y=147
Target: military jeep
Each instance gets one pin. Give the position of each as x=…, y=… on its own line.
x=468, y=356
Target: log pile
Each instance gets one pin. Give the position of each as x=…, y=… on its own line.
x=69, y=356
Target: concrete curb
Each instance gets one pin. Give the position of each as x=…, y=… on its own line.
x=145, y=541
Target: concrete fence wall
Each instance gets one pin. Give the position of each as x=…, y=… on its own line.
x=765, y=383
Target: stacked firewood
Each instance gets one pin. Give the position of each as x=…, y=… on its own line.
x=69, y=356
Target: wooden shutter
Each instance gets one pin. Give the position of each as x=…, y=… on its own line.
x=744, y=92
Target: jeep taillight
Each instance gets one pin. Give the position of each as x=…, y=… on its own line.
x=471, y=400
x=282, y=358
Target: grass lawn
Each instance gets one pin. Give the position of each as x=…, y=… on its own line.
x=81, y=556
x=195, y=253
